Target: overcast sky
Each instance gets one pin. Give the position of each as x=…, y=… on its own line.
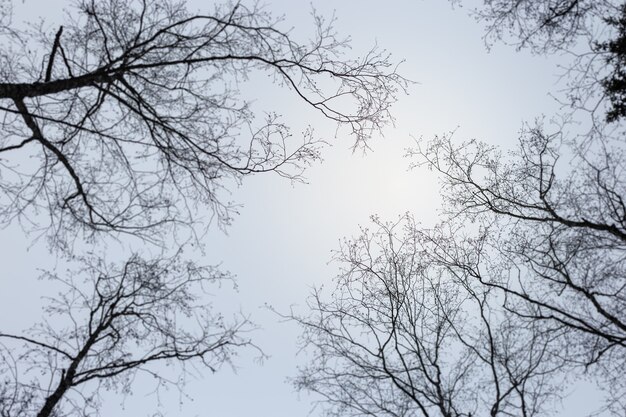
x=280, y=244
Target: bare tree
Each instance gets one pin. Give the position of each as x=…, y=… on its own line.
x=590, y=32
x=553, y=211
x=128, y=119
x=103, y=332
x=408, y=333
x=131, y=115
x=523, y=284
x=615, y=84
x=555, y=234
x=545, y=26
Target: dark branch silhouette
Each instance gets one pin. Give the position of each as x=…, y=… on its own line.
x=552, y=239
x=406, y=333
x=590, y=32
x=110, y=325
x=521, y=287
x=132, y=115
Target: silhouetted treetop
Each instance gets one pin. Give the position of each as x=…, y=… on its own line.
x=131, y=115
x=545, y=25
x=110, y=325
x=615, y=84
x=590, y=32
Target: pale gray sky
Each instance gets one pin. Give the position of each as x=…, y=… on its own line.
x=280, y=243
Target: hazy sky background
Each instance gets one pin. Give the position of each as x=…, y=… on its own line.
x=280, y=244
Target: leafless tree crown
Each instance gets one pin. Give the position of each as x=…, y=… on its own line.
x=591, y=33
x=110, y=326
x=128, y=119
x=130, y=113
x=521, y=288
x=408, y=331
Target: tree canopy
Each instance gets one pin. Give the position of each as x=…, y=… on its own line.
x=132, y=114
x=520, y=288
x=128, y=120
